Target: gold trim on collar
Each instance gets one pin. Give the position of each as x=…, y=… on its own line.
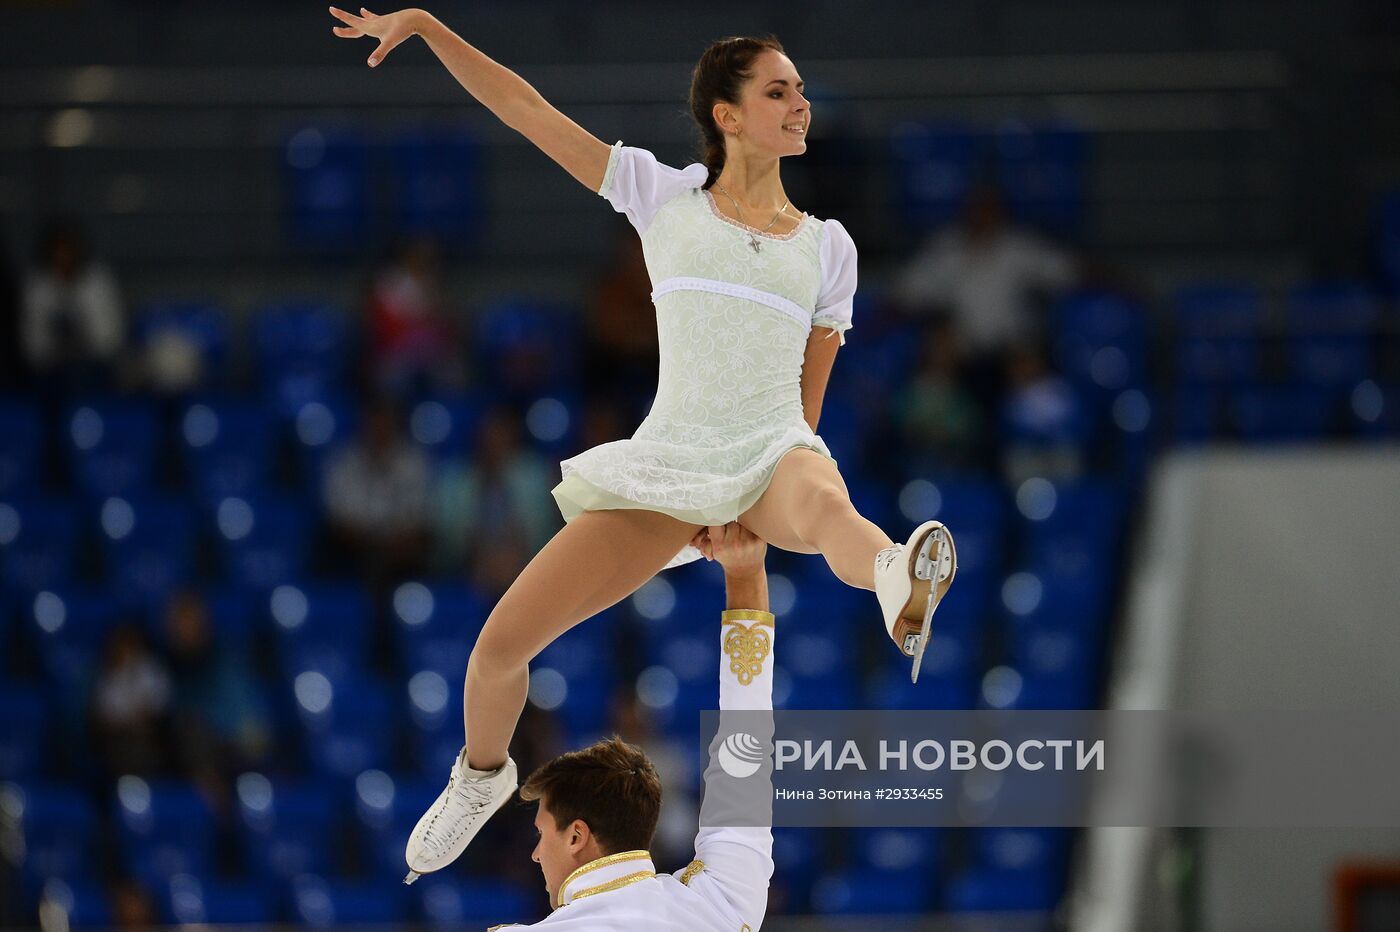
x=691, y=869
x=608, y=859
x=611, y=885
x=747, y=645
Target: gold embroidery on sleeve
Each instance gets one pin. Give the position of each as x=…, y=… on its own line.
x=747, y=645
x=691, y=869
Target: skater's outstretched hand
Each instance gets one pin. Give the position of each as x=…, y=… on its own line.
x=737, y=549
x=390, y=29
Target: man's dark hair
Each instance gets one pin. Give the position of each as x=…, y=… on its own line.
x=610, y=785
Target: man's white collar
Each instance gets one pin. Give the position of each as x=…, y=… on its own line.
x=608, y=873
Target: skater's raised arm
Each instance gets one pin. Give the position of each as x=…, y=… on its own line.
x=733, y=856
x=505, y=93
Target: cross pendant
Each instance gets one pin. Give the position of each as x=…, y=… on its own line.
x=753, y=242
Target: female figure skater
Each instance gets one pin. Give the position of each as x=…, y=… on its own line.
x=749, y=292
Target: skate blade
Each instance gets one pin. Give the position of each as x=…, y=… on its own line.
x=412, y=876
x=935, y=562
x=922, y=643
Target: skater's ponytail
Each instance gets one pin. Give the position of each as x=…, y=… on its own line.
x=719, y=75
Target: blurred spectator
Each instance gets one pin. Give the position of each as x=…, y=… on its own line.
x=72, y=319
x=131, y=906
x=221, y=721
x=12, y=362
x=131, y=705
x=414, y=345
x=621, y=354
x=937, y=419
x=376, y=499
x=987, y=274
x=493, y=513
x=1043, y=421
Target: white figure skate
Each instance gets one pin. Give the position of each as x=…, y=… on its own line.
x=910, y=580
x=449, y=825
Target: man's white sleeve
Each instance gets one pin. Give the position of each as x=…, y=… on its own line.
x=734, y=848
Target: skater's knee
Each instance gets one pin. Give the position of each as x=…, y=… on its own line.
x=820, y=505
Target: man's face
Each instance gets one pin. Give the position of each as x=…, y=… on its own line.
x=553, y=852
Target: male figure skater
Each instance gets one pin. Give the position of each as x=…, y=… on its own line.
x=598, y=807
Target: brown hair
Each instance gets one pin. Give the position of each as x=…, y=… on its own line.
x=611, y=785
x=721, y=72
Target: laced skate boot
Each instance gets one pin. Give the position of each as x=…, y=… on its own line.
x=444, y=831
x=910, y=580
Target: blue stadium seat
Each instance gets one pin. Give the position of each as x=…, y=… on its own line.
x=440, y=183
x=321, y=428
x=1044, y=172
x=70, y=626
x=436, y=625
x=24, y=731
x=990, y=890
x=834, y=691
x=349, y=723
x=287, y=829
x=39, y=540
x=22, y=426
x=1053, y=653
x=327, y=176
x=148, y=544
x=1375, y=410
x=264, y=539
x=1054, y=416
x=112, y=447
x=868, y=891
x=201, y=325
x=1284, y=413
x=446, y=426
x=975, y=510
x=58, y=826
x=451, y=901
x=192, y=900
x=435, y=711
x=527, y=350
x=797, y=862
x=1219, y=330
x=1042, y=849
x=302, y=351
x=907, y=856
x=386, y=809
x=322, y=903
x=321, y=626
x=935, y=164
x=227, y=447
x=166, y=828
x=947, y=680
x=1101, y=341
x=234, y=613
x=1333, y=329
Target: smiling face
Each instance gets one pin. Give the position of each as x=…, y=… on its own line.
x=772, y=115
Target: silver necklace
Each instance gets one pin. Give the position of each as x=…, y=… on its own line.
x=753, y=240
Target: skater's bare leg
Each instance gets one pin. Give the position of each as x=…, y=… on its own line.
x=595, y=561
x=807, y=509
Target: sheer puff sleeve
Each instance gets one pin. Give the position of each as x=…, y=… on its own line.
x=838, y=286
x=636, y=184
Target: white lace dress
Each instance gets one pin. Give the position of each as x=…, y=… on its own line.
x=733, y=326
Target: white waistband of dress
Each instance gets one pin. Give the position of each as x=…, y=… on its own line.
x=776, y=301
